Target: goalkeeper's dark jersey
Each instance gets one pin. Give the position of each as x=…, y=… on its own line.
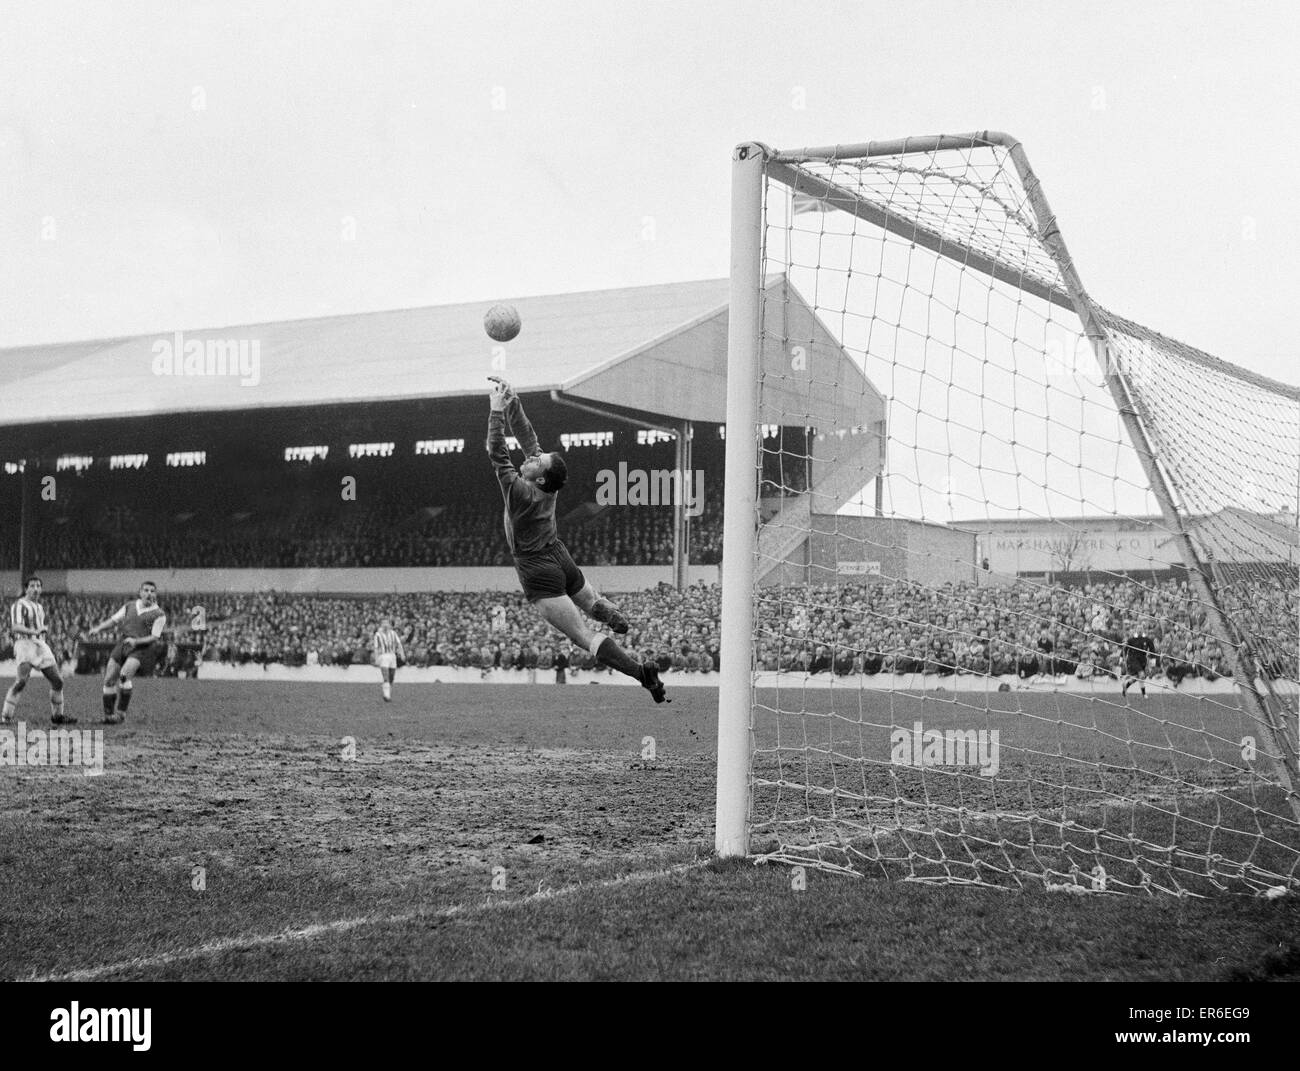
x=530, y=511
x=1137, y=649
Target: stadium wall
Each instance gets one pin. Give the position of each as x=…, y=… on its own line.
x=880, y=682
x=610, y=578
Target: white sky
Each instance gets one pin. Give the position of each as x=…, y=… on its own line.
x=170, y=165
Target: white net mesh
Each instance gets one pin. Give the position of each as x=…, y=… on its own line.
x=979, y=653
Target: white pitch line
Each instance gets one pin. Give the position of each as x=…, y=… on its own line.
x=321, y=929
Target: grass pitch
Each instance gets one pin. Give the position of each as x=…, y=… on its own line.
x=300, y=831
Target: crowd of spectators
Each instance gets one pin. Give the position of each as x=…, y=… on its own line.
x=469, y=536
x=406, y=510
x=1021, y=629
x=389, y=527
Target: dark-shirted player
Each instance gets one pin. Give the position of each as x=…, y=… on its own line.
x=551, y=580
x=141, y=624
x=28, y=629
x=1046, y=647
x=1139, y=650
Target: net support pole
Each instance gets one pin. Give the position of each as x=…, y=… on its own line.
x=1235, y=648
x=744, y=326
x=29, y=481
x=682, y=519
x=687, y=486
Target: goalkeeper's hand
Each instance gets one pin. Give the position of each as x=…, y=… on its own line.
x=504, y=385
x=498, y=395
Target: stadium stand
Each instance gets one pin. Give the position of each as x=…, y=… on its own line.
x=417, y=511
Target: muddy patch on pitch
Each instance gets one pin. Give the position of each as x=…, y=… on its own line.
x=390, y=812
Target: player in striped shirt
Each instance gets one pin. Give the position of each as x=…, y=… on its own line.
x=138, y=648
x=27, y=627
x=387, y=648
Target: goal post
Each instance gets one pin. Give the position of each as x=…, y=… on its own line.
x=739, y=537
x=1074, y=510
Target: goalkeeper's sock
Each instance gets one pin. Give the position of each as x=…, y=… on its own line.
x=123, y=696
x=607, y=613
x=611, y=654
x=651, y=682
x=10, y=706
x=56, y=709
x=109, y=697
x=388, y=691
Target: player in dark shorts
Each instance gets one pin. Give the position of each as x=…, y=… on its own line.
x=138, y=649
x=551, y=580
x=1139, y=649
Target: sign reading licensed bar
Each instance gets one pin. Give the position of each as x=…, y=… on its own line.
x=858, y=568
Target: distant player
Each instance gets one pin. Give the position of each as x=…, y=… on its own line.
x=139, y=646
x=27, y=626
x=1046, y=648
x=1139, y=650
x=199, y=635
x=387, y=646
x=551, y=580
x=1027, y=663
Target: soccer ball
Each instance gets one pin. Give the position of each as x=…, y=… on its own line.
x=502, y=323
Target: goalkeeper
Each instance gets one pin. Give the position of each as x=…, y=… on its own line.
x=550, y=579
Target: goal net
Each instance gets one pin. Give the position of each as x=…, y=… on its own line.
x=1009, y=581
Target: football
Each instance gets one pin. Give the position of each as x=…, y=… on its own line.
x=502, y=323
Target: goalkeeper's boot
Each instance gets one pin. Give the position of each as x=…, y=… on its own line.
x=608, y=614
x=650, y=682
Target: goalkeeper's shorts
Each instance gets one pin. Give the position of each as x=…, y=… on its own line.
x=549, y=573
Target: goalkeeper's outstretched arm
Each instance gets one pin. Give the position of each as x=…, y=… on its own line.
x=498, y=450
x=521, y=426
x=516, y=421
